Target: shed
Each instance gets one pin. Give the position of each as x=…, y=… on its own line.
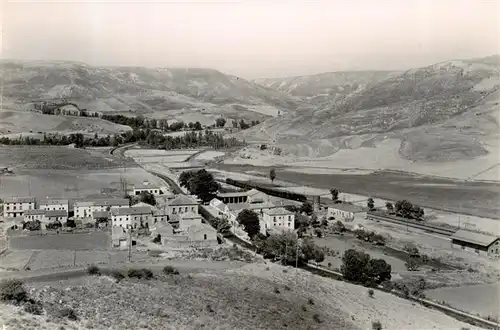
x=202, y=233
x=482, y=244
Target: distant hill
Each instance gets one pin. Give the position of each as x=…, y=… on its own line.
x=443, y=112
x=201, y=94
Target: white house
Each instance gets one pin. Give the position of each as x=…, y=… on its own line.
x=86, y=209
x=131, y=217
x=15, y=206
x=188, y=219
x=182, y=204
x=218, y=206
x=33, y=215
x=279, y=219
x=54, y=204
x=343, y=211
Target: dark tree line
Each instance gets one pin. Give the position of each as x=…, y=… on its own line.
x=147, y=137
x=405, y=209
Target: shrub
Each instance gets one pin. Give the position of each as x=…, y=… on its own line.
x=117, y=275
x=288, y=288
x=169, y=270
x=12, y=290
x=310, y=301
x=411, y=265
x=33, y=307
x=370, y=293
x=276, y=290
x=68, y=313
x=147, y=273
x=93, y=270
x=376, y=325
x=134, y=273
x=317, y=318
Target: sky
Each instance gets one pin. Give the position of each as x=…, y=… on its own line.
x=253, y=38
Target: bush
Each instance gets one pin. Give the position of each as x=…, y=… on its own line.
x=157, y=239
x=310, y=301
x=169, y=270
x=12, y=290
x=68, y=313
x=358, y=267
x=134, y=273
x=317, y=318
x=117, y=275
x=33, y=307
x=146, y=273
x=93, y=270
x=376, y=325
x=370, y=293
x=411, y=265
x=276, y=290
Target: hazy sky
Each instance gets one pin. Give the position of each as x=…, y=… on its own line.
x=253, y=38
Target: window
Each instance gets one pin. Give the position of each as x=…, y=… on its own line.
x=204, y=236
x=185, y=209
x=14, y=207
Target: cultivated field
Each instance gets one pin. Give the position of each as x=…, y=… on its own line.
x=209, y=155
x=87, y=241
x=254, y=296
x=474, y=198
x=73, y=183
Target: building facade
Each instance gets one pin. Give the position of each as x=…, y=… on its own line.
x=182, y=204
x=189, y=219
x=54, y=204
x=15, y=206
x=33, y=215
x=278, y=219
x=344, y=212
x=86, y=209
x=131, y=217
x=55, y=215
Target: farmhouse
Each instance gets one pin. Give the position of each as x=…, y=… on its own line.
x=15, y=206
x=481, y=244
x=344, y=211
x=33, y=215
x=202, y=235
x=189, y=219
x=54, y=204
x=55, y=215
x=146, y=187
x=278, y=219
x=182, y=204
x=85, y=209
x=131, y=217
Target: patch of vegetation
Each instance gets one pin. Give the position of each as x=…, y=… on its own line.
x=93, y=270
x=317, y=318
x=411, y=265
x=117, y=275
x=140, y=273
x=170, y=270
x=68, y=313
x=199, y=183
x=12, y=290
x=33, y=307
x=370, y=293
x=157, y=239
x=376, y=325
x=358, y=267
x=250, y=222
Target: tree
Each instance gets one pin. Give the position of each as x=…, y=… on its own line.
x=197, y=126
x=358, y=267
x=220, y=122
x=370, y=204
x=70, y=223
x=250, y=222
x=147, y=197
x=389, y=207
x=272, y=174
x=200, y=183
x=306, y=208
x=404, y=208
x=411, y=265
x=335, y=194
x=339, y=226
x=222, y=226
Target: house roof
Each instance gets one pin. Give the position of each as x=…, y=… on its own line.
x=347, y=207
x=132, y=210
x=248, y=193
x=118, y=232
x=190, y=215
x=200, y=227
x=146, y=186
x=473, y=237
x=53, y=201
x=253, y=192
x=182, y=200
x=20, y=200
x=33, y=212
x=142, y=204
x=278, y=211
x=162, y=227
x=56, y=213
x=217, y=202
x=103, y=202
x=101, y=214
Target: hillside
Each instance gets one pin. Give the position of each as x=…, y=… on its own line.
x=254, y=296
x=443, y=113
x=149, y=91
x=326, y=86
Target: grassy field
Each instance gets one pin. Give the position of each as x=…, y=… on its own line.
x=474, y=198
x=91, y=241
x=255, y=296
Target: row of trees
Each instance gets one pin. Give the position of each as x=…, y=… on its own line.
x=405, y=209
x=56, y=139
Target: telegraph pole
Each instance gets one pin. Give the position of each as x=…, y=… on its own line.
x=130, y=244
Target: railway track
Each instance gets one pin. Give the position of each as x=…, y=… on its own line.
x=412, y=224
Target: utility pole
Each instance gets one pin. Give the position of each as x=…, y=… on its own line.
x=130, y=244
